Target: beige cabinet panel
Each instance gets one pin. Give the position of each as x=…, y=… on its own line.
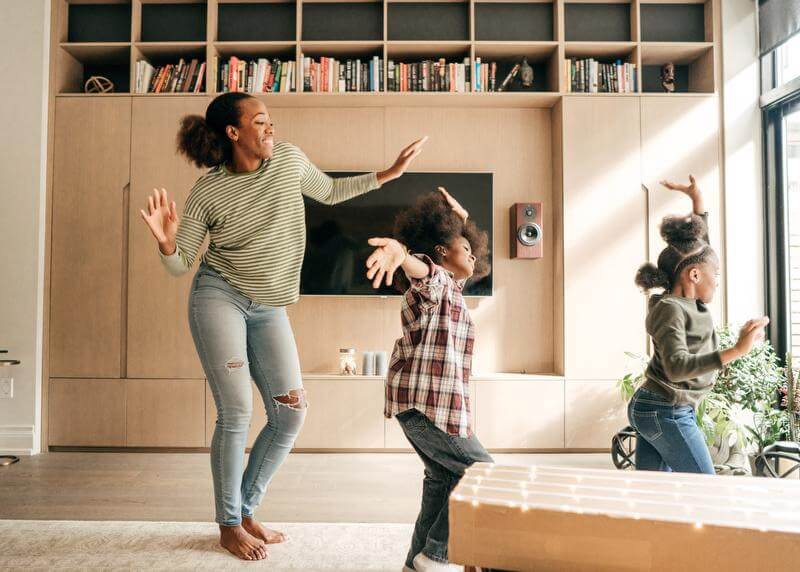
x=86, y=412
x=257, y=422
x=343, y=414
x=604, y=235
x=681, y=136
x=595, y=412
x=520, y=414
x=165, y=413
x=90, y=177
x=159, y=342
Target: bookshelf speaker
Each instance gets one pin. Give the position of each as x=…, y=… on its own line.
x=526, y=230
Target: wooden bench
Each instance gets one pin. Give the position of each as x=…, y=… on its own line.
x=566, y=519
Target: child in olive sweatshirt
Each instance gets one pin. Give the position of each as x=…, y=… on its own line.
x=686, y=353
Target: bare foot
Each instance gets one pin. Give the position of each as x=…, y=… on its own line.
x=237, y=541
x=258, y=530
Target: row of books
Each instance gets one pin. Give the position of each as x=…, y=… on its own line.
x=333, y=76
x=429, y=75
x=439, y=75
x=182, y=77
x=591, y=76
x=255, y=76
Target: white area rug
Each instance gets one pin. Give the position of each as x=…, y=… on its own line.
x=80, y=545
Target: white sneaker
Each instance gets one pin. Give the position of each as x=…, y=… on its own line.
x=424, y=564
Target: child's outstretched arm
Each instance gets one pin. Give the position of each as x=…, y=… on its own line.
x=692, y=191
x=388, y=257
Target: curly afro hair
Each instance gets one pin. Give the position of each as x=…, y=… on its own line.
x=683, y=235
x=431, y=222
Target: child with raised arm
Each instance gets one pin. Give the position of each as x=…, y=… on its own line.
x=427, y=387
x=686, y=353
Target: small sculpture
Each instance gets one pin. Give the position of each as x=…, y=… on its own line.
x=98, y=84
x=668, y=77
x=526, y=73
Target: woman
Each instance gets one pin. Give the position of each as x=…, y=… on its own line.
x=251, y=204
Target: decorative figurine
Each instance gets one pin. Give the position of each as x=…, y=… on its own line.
x=526, y=73
x=668, y=77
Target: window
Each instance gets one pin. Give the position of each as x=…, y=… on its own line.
x=787, y=61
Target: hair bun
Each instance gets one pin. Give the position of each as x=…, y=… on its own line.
x=649, y=277
x=676, y=230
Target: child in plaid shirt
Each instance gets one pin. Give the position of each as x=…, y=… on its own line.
x=427, y=387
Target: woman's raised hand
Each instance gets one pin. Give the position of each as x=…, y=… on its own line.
x=402, y=162
x=162, y=220
x=383, y=262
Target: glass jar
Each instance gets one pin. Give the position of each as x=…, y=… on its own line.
x=347, y=361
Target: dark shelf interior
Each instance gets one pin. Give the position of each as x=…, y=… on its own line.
x=673, y=23
x=173, y=22
x=597, y=22
x=362, y=21
x=651, y=82
x=118, y=73
x=99, y=23
x=273, y=22
x=428, y=22
x=507, y=22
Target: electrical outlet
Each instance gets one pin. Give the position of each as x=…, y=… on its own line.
x=6, y=387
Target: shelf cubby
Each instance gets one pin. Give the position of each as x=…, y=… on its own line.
x=694, y=66
x=515, y=21
x=676, y=22
x=428, y=21
x=77, y=62
x=256, y=22
x=172, y=22
x=541, y=56
x=607, y=21
x=108, y=22
x=342, y=21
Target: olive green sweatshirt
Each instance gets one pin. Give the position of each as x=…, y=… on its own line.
x=685, y=349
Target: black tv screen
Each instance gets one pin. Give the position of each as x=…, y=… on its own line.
x=336, y=236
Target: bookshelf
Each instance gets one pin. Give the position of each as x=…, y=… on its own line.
x=109, y=37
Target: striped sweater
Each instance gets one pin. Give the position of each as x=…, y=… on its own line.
x=256, y=222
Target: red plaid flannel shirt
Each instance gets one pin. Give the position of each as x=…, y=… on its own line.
x=430, y=365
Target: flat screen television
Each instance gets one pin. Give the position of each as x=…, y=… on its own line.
x=336, y=236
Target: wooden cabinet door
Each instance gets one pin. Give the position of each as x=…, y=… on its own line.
x=159, y=342
x=165, y=413
x=86, y=412
x=681, y=136
x=604, y=235
x=90, y=177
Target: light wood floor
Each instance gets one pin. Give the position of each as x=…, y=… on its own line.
x=366, y=487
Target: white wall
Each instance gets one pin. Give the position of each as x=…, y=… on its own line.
x=24, y=53
x=744, y=204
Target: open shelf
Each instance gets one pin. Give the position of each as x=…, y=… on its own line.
x=80, y=61
x=342, y=21
x=172, y=22
x=256, y=22
x=112, y=35
x=694, y=66
x=598, y=22
x=428, y=21
x=541, y=56
x=515, y=21
x=100, y=22
x=676, y=22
